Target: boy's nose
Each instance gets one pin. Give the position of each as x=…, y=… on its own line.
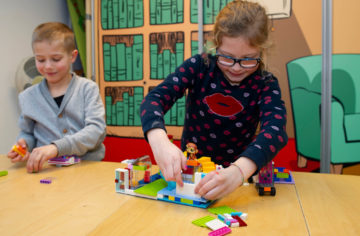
x=48, y=64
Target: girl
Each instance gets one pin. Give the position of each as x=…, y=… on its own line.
x=229, y=94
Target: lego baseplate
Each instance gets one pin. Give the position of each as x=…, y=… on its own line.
x=158, y=189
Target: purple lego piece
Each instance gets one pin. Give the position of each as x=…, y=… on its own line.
x=266, y=174
x=45, y=181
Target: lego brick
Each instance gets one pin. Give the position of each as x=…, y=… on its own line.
x=204, y=159
x=221, y=210
x=236, y=213
x=47, y=180
x=152, y=189
x=192, y=163
x=215, y=224
x=143, y=168
x=235, y=224
x=220, y=232
x=244, y=216
x=171, y=198
x=187, y=201
x=187, y=190
x=241, y=222
x=19, y=150
x=202, y=221
x=3, y=173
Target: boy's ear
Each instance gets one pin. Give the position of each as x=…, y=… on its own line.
x=74, y=54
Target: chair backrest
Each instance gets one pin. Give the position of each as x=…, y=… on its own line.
x=304, y=76
x=305, y=73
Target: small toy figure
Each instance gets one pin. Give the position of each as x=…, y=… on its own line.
x=192, y=150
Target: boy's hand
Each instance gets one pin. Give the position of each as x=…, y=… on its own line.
x=39, y=156
x=167, y=155
x=15, y=156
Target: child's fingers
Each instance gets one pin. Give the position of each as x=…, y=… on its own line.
x=16, y=159
x=177, y=173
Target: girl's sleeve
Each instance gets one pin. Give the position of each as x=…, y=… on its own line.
x=94, y=131
x=161, y=99
x=272, y=136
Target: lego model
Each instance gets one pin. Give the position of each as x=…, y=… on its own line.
x=266, y=180
x=64, y=161
x=136, y=179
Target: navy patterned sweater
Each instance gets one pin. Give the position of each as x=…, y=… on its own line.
x=221, y=119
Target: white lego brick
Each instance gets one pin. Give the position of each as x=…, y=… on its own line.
x=244, y=216
x=187, y=190
x=235, y=224
x=215, y=224
x=197, y=177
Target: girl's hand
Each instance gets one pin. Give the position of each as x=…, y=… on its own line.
x=217, y=184
x=168, y=156
x=14, y=156
x=39, y=156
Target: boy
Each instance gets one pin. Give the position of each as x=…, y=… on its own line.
x=64, y=114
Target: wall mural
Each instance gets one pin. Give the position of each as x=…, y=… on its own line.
x=140, y=42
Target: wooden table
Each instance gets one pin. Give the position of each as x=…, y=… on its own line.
x=82, y=200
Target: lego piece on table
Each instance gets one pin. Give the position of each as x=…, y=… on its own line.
x=244, y=216
x=241, y=222
x=3, y=172
x=202, y=221
x=64, y=161
x=47, y=180
x=236, y=213
x=221, y=210
x=215, y=224
x=220, y=232
x=235, y=224
x=19, y=150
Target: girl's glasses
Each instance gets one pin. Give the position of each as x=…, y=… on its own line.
x=244, y=62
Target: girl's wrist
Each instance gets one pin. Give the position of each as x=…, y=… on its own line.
x=242, y=176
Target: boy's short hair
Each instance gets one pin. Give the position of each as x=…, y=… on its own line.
x=53, y=31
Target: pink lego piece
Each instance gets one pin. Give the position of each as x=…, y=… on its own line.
x=220, y=232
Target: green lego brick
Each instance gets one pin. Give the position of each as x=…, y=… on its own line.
x=221, y=210
x=203, y=220
x=153, y=188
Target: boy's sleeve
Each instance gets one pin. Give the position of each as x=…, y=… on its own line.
x=26, y=126
x=272, y=136
x=160, y=100
x=94, y=131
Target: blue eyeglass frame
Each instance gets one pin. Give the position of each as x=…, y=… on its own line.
x=235, y=60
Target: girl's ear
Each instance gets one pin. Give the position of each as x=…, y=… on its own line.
x=74, y=54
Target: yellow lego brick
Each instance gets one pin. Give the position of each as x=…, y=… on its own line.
x=204, y=159
x=208, y=164
x=171, y=198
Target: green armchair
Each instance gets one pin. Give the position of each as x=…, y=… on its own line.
x=304, y=75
